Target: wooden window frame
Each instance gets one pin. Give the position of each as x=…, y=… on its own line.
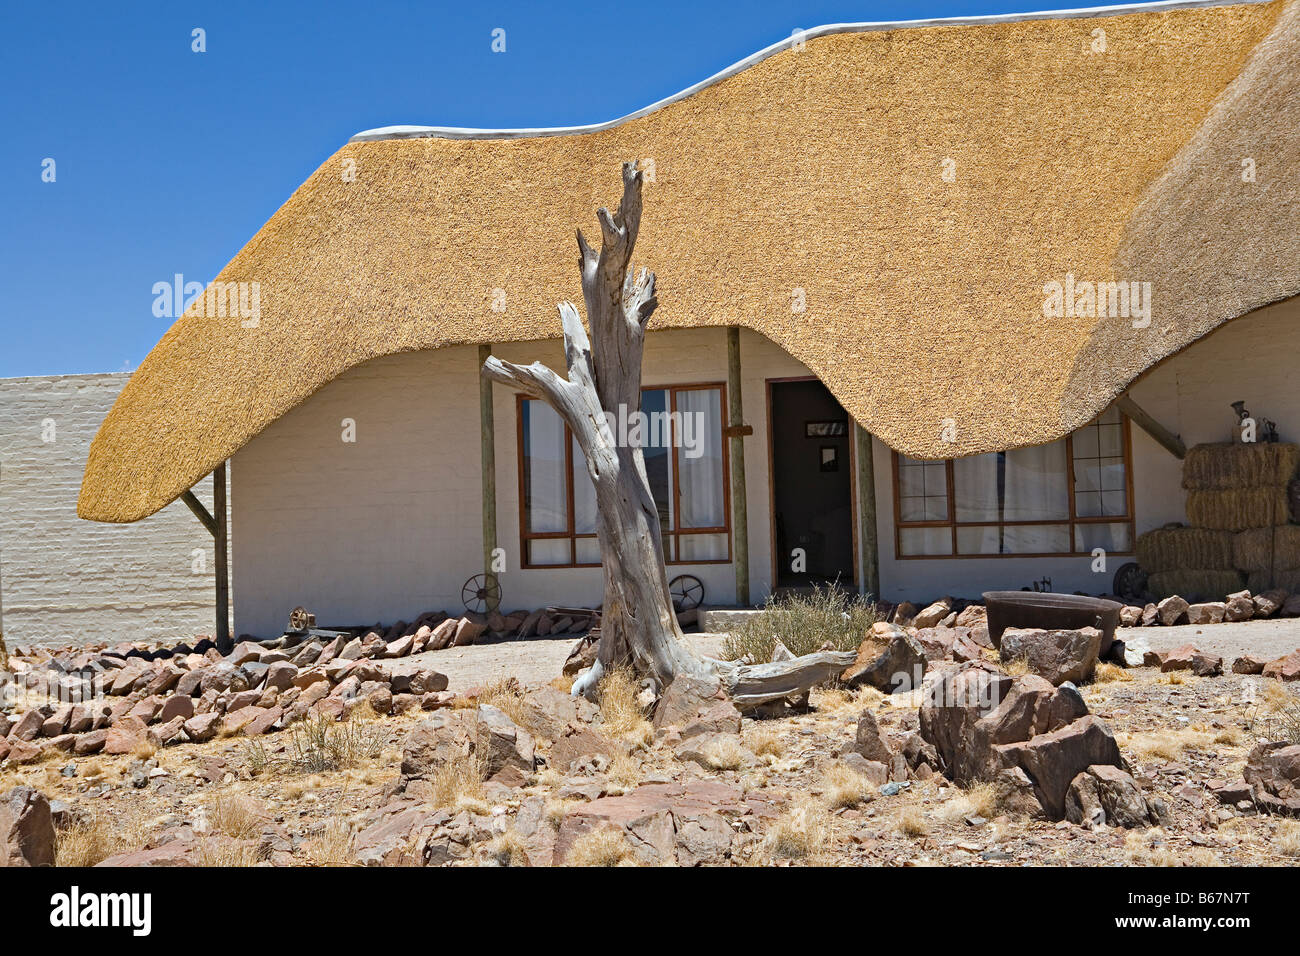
x=675, y=534
x=1071, y=521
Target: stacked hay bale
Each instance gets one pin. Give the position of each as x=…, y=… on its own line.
x=1240, y=533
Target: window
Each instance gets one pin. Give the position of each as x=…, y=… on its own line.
x=1067, y=497
x=685, y=460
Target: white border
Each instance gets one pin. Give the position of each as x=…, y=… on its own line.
x=456, y=132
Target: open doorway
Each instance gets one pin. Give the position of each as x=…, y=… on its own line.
x=812, y=479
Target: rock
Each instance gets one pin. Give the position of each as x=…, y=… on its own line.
x=952, y=707
x=547, y=712
x=244, y=652
x=202, y=727
x=890, y=661
x=684, y=699
x=176, y=706
x=1269, y=602
x=1057, y=656
x=937, y=642
x=581, y=656
x=413, y=679
x=971, y=615
x=903, y=614
x=468, y=631
x=577, y=744
x=280, y=675
x=1291, y=607
x=503, y=745
x=380, y=700
x=1210, y=612
x=1172, y=610
x=263, y=722
x=431, y=743
x=1150, y=615
x=125, y=735
x=933, y=614
x=874, y=770
x=400, y=647
x=966, y=650
x=1273, y=774
x=868, y=742
x=29, y=726
x=1240, y=607
x=720, y=717
x=1109, y=793
x=1130, y=616
x=1053, y=760
x=90, y=743
x=443, y=634
x=1188, y=658
x=1284, y=668
x=1131, y=651
x=26, y=829
x=1249, y=664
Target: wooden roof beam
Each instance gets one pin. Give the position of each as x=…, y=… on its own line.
x=1167, y=439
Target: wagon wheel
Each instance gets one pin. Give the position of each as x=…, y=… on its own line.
x=481, y=592
x=687, y=592
x=1130, y=581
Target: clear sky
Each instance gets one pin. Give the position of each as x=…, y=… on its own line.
x=167, y=161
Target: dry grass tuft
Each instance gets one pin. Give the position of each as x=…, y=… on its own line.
x=625, y=770
x=1287, y=838
x=86, y=843
x=331, y=845
x=910, y=823
x=725, y=753
x=1016, y=667
x=319, y=744
x=602, y=846
x=803, y=623
x=1108, y=673
x=505, y=695
x=238, y=816
x=1166, y=744
x=981, y=800
x=458, y=785
x=766, y=741
x=801, y=833
x=620, y=713
x=842, y=786
x=222, y=851
x=508, y=849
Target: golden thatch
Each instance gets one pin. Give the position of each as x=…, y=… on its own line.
x=920, y=186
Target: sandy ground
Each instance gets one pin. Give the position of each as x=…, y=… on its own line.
x=1269, y=639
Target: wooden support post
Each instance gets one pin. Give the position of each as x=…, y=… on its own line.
x=224, y=642
x=1167, y=439
x=200, y=512
x=739, y=506
x=488, y=454
x=869, y=583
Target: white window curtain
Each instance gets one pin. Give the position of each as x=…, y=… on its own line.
x=544, y=449
x=701, y=480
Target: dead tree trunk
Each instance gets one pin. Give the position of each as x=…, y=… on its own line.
x=638, y=622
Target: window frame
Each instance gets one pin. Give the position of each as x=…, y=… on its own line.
x=1071, y=521
x=573, y=536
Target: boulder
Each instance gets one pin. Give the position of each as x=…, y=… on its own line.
x=502, y=745
x=1239, y=607
x=1210, y=612
x=1273, y=774
x=1188, y=658
x=176, y=706
x=1284, y=668
x=125, y=735
x=579, y=743
x=1290, y=607
x=26, y=828
x=1150, y=615
x=1058, y=656
x=1130, y=616
x=1269, y=602
x=1053, y=760
x=932, y=615
x=937, y=642
x=1249, y=664
x=868, y=741
x=202, y=727
x=280, y=675
x=971, y=615
x=413, y=679
x=889, y=659
x=684, y=699
x=468, y=631
x=1172, y=610
x=1107, y=794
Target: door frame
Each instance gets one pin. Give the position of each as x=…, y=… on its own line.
x=771, y=481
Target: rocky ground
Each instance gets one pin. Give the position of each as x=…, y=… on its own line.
x=567, y=782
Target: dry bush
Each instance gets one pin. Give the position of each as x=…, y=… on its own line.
x=801, y=833
x=725, y=753
x=601, y=846
x=1276, y=718
x=86, y=843
x=1287, y=838
x=981, y=800
x=222, y=851
x=842, y=786
x=1166, y=744
x=557, y=809
x=766, y=741
x=508, y=849
x=1016, y=667
x=1108, y=673
x=803, y=623
x=910, y=823
x=331, y=845
x=458, y=785
x=625, y=770
x=236, y=815
x=319, y=744
x=256, y=758
x=1229, y=736
x=620, y=713
x=505, y=695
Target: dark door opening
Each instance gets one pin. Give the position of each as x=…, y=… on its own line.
x=812, y=475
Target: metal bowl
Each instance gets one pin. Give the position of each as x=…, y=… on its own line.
x=1051, y=612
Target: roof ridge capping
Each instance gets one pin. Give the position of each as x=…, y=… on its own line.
x=812, y=33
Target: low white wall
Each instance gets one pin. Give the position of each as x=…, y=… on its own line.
x=1253, y=359
x=63, y=579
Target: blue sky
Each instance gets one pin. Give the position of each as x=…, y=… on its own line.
x=167, y=161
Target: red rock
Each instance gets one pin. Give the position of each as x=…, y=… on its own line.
x=1249, y=664
x=26, y=829
x=90, y=743
x=176, y=706
x=467, y=632
x=263, y=722
x=1284, y=668
x=125, y=735
x=1172, y=610
x=202, y=726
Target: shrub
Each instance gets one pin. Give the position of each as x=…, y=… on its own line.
x=319, y=744
x=804, y=623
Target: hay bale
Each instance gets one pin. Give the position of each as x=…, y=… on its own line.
x=1170, y=549
x=1237, y=509
x=1288, y=579
x=1196, y=585
x=1266, y=549
x=1220, y=466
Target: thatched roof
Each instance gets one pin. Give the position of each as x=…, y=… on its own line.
x=820, y=169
